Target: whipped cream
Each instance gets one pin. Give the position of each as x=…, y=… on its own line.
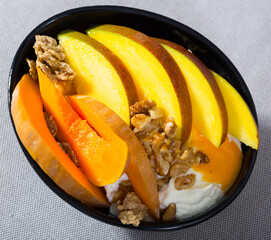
x=190, y=201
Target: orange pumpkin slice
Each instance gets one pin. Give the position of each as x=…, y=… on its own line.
x=28, y=117
x=102, y=159
x=139, y=171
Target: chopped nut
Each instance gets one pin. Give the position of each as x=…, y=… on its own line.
x=169, y=214
x=141, y=107
x=167, y=141
x=166, y=153
x=147, y=146
x=50, y=59
x=132, y=211
x=126, y=186
x=161, y=182
x=118, y=196
x=155, y=112
x=139, y=121
x=50, y=123
x=178, y=169
x=68, y=150
x=158, y=140
x=170, y=127
x=32, y=69
x=152, y=159
x=174, y=147
x=202, y=158
x=162, y=165
x=186, y=153
x=184, y=182
x=151, y=127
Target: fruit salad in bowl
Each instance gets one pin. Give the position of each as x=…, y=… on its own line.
x=132, y=124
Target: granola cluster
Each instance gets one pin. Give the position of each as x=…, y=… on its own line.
x=51, y=60
x=132, y=211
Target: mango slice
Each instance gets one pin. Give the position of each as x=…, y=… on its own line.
x=241, y=121
x=209, y=112
x=28, y=117
x=155, y=73
x=100, y=73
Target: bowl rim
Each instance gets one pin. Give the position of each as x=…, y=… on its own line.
x=76, y=203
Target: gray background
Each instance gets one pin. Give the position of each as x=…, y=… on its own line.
x=241, y=29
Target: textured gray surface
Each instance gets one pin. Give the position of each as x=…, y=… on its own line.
x=30, y=210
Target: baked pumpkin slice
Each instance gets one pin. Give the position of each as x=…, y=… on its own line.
x=139, y=171
x=28, y=116
x=103, y=158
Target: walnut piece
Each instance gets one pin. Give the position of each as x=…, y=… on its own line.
x=170, y=127
x=126, y=186
x=132, y=211
x=118, y=196
x=202, y=158
x=161, y=182
x=68, y=150
x=50, y=123
x=32, y=69
x=178, y=169
x=141, y=107
x=155, y=112
x=50, y=59
x=150, y=128
x=186, y=153
x=162, y=165
x=140, y=121
x=184, y=182
x=169, y=214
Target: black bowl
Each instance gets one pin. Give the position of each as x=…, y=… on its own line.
x=153, y=25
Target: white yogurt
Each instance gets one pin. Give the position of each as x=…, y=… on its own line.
x=191, y=201
x=110, y=188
